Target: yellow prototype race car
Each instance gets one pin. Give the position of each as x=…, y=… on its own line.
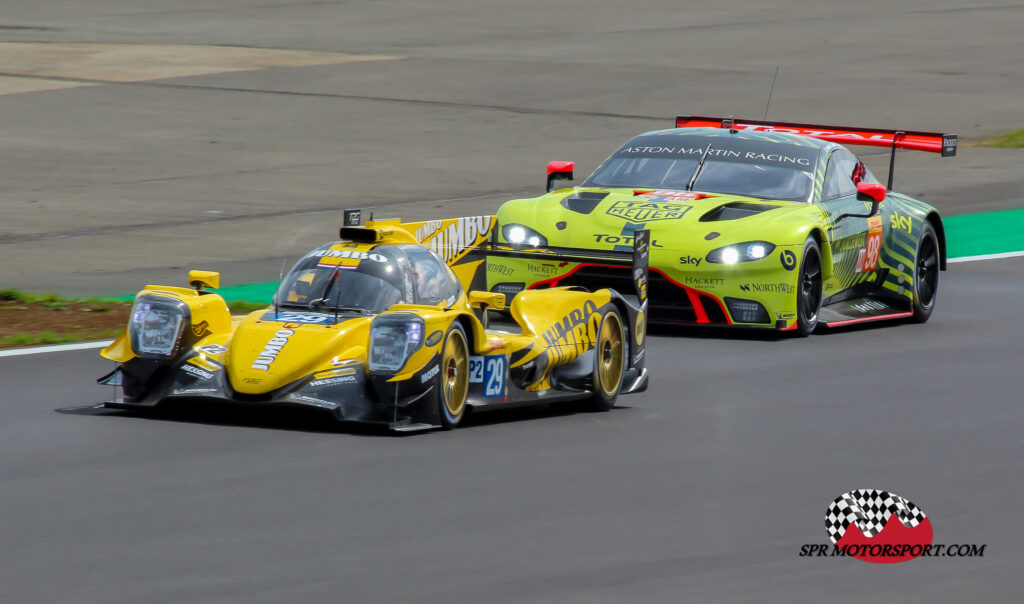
x=381, y=327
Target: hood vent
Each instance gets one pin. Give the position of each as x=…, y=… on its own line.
x=735, y=210
x=583, y=202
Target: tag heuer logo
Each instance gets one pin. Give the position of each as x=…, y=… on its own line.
x=647, y=211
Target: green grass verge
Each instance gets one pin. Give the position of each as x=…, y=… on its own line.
x=53, y=301
x=1010, y=140
x=48, y=337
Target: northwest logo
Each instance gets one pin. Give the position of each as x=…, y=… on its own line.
x=647, y=211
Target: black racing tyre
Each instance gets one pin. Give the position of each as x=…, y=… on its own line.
x=926, y=273
x=452, y=381
x=609, y=362
x=808, y=294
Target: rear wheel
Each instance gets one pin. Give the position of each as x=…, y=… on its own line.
x=453, y=379
x=808, y=297
x=926, y=274
x=609, y=362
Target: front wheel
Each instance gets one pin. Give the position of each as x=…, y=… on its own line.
x=609, y=362
x=926, y=273
x=452, y=381
x=808, y=295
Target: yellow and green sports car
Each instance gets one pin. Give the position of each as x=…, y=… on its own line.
x=753, y=224
x=377, y=328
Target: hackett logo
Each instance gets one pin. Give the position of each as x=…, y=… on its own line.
x=647, y=211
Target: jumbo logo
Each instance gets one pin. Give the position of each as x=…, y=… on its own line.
x=901, y=223
x=647, y=211
x=272, y=349
x=450, y=239
x=572, y=331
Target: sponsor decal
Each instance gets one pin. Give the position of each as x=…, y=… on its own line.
x=213, y=349
x=704, y=281
x=319, y=402
x=572, y=336
x=196, y=390
x=639, y=356
x=273, y=347
x=202, y=363
x=768, y=288
x=434, y=338
x=505, y=271
x=201, y=329
x=788, y=259
x=495, y=345
x=451, y=239
x=542, y=269
x=647, y=211
x=345, y=259
x=671, y=195
x=250, y=380
x=868, y=306
x=343, y=379
x=900, y=223
x=619, y=239
x=337, y=362
x=690, y=260
x=335, y=372
x=640, y=326
x=785, y=316
x=196, y=372
x=430, y=373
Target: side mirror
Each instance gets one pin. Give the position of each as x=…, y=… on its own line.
x=559, y=170
x=201, y=279
x=491, y=300
x=873, y=190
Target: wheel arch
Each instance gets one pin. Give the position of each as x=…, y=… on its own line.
x=826, y=251
x=940, y=231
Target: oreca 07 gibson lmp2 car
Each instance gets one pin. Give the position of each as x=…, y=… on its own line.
x=377, y=328
x=754, y=224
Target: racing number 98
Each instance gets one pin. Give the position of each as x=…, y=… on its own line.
x=874, y=245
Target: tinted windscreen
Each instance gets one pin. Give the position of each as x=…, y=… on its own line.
x=320, y=282
x=733, y=166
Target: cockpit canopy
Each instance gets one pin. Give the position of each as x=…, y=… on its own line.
x=369, y=278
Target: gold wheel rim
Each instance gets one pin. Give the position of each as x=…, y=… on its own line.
x=455, y=376
x=609, y=350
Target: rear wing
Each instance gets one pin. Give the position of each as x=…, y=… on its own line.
x=932, y=142
x=465, y=243
x=637, y=260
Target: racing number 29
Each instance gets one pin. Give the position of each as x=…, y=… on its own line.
x=489, y=371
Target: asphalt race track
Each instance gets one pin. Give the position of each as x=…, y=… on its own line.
x=142, y=138
x=702, y=489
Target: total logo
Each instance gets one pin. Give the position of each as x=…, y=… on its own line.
x=690, y=260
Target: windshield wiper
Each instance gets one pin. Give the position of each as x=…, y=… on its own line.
x=327, y=290
x=696, y=171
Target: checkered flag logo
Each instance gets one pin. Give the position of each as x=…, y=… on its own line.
x=870, y=510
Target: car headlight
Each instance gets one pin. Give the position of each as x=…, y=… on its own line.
x=741, y=252
x=156, y=325
x=393, y=339
x=519, y=234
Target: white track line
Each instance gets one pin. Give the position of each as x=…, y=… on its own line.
x=986, y=257
x=17, y=352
